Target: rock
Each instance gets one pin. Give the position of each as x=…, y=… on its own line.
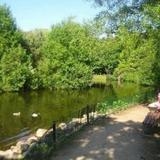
x=32, y=140
x=16, y=149
x=71, y=125
x=84, y=120
x=75, y=120
x=84, y=116
x=32, y=146
x=91, y=114
x=22, y=146
x=101, y=115
x=62, y=126
x=17, y=156
x=8, y=154
x=29, y=151
x=40, y=132
x=12, y=147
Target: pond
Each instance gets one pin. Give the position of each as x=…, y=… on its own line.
x=56, y=105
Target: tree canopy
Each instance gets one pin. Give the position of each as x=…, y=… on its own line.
x=137, y=25
x=133, y=14
x=14, y=60
x=122, y=41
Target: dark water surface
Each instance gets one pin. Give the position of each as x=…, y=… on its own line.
x=58, y=106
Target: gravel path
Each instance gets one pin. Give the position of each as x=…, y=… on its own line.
x=119, y=137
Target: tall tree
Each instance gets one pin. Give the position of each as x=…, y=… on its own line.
x=33, y=41
x=138, y=60
x=66, y=57
x=14, y=61
x=129, y=13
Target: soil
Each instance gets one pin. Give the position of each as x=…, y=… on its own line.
x=117, y=137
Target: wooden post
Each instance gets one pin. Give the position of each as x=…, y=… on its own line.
x=54, y=131
x=87, y=114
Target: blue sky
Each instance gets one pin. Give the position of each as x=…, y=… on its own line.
x=31, y=14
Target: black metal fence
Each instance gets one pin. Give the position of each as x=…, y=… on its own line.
x=84, y=116
x=59, y=132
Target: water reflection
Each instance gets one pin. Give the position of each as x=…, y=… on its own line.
x=56, y=105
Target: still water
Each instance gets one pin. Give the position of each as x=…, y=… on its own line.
x=57, y=106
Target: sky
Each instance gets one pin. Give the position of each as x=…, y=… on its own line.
x=32, y=14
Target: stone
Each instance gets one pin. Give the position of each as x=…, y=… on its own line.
x=22, y=146
x=62, y=126
x=17, y=156
x=84, y=116
x=12, y=147
x=32, y=140
x=75, y=120
x=32, y=146
x=8, y=154
x=40, y=132
x=71, y=125
x=84, y=120
x=16, y=149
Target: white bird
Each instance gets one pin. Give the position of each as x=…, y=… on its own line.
x=35, y=115
x=17, y=114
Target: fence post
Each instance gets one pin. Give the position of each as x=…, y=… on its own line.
x=87, y=114
x=54, y=131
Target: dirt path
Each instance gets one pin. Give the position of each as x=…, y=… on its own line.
x=119, y=137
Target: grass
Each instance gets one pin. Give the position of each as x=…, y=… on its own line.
x=111, y=106
x=102, y=79
x=115, y=106
x=99, y=79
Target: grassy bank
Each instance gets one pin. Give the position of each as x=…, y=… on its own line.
x=101, y=79
x=115, y=106
x=122, y=98
x=112, y=106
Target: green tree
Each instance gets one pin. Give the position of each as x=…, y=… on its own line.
x=106, y=55
x=129, y=13
x=33, y=42
x=14, y=61
x=136, y=59
x=66, y=57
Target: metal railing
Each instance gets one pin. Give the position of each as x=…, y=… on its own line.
x=60, y=130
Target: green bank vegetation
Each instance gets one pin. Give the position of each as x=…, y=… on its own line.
x=69, y=54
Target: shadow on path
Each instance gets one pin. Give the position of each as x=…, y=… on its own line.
x=111, y=139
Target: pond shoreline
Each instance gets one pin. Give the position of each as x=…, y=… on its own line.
x=41, y=143
x=59, y=106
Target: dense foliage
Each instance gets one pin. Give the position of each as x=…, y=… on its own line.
x=14, y=60
x=65, y=60
x=136, y=23
x=123, y=41
x=33, y=41
x=136, y=59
